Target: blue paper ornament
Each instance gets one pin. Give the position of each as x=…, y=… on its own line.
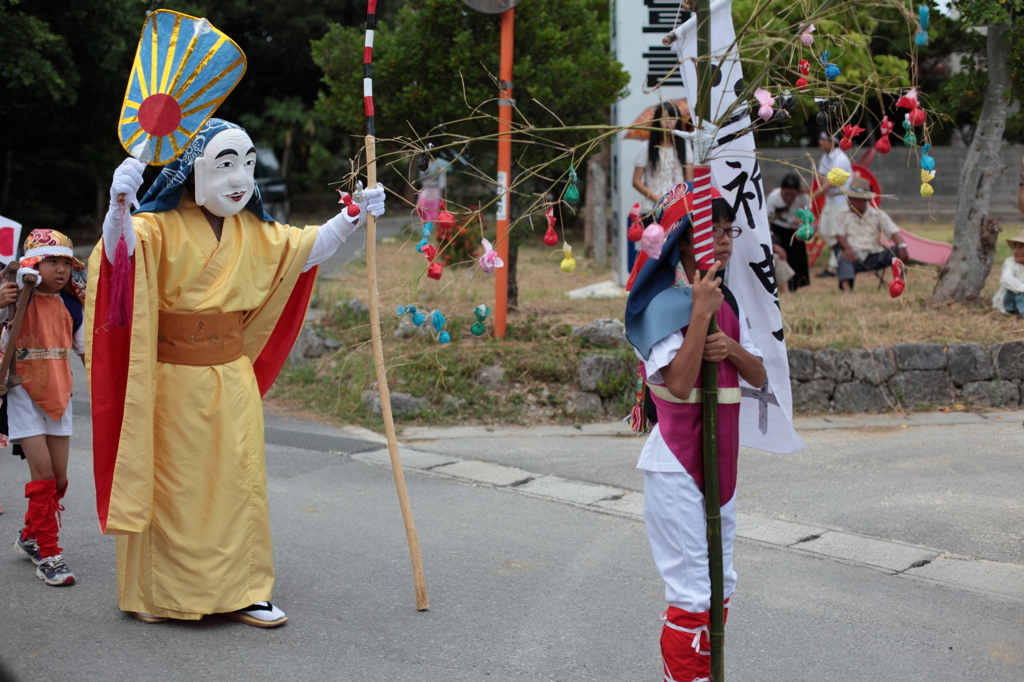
x=921, y=38
x=832, y=72
x=418, y=318
x=922, y=15
x=400, y=310
x=426, y=230
x=927, y=162
x=423, y=242
x=443, y=337
x=438, y=320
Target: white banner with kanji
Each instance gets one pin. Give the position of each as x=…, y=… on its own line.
x=766, y=411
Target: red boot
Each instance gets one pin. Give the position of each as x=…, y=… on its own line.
x=42, y=508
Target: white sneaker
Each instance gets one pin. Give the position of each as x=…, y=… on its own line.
x=54, y=570
x=261, y=614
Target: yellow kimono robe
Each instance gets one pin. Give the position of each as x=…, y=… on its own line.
x=186, y=492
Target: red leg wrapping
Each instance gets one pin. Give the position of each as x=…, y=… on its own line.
x=42, y=511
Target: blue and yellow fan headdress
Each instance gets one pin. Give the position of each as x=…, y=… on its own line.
x=184, y=69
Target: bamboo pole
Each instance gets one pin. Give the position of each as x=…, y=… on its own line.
x=712, y=501
x=382, y=385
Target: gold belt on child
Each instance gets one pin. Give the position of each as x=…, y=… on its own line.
x=725, y=395
x=201, y=339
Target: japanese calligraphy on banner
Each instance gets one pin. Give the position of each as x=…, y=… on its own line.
x=766, y=411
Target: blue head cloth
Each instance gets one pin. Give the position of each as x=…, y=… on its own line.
x=165, y=192
x=655, y=309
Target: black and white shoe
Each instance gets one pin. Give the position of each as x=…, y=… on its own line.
x=27, y=547
x=262, y=614
x=53, y=570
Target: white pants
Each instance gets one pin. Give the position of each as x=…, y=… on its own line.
x=828, y=228
x=25, y=419
x=677, y=531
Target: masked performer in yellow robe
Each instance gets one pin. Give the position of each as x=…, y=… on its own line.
x=219, y=292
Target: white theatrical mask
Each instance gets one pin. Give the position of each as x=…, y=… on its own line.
x=224, y=173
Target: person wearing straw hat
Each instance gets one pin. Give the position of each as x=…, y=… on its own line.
x=863, y=235
x=1010, y=297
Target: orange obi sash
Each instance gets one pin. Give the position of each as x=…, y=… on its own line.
x=43, y=353
x=200, y=339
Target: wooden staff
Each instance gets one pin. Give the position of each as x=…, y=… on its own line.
x=8, y=378
x=378, y=348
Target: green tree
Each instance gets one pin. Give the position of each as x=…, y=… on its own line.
x=438, y=60
x=975, y=235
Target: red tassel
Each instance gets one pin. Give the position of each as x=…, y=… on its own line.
x=121, y=293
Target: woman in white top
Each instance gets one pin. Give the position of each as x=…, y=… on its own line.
x=665, y=162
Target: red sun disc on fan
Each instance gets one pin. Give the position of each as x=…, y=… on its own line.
x=159, y=115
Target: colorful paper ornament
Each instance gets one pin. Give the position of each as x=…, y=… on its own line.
x=443, y=337
x=898, y=284
x=883, y=145
x=849, y=132
x=434, y=271
x=838, y=177
x=359, y=194
x=550, y=237
x=490, y=260
x=805, y=232
x=429, y=251
x=766, y=100
x=909, y=139
x=636, y=228
x=926, y=177
x=917, y=117
x=550, y=215
x=478, y=329
x=825, y=107
x=423, y=242
x=927, y=162
x=568, y=262
x=572, y=195
x=831, y=70
x=801, y=82
x=787, y=101
x=652, y=239
x=445, y=220
x=805, y=67
x=908, y=100
x=806, y=38
x=427, y=228
x=350, y=206
x=481, y=312
x=418, y=319
x=438, y=320
x=922, y=19
x=401, y=311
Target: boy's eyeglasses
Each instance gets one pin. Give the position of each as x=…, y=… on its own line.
x=720, y=232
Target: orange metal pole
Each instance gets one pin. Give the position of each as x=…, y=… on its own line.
x=504, y=170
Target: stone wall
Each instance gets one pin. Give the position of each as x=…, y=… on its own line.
x=899, y=174
x=907, y=374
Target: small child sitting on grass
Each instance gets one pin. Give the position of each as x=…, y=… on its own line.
x=1010, y=297
x=38, y=410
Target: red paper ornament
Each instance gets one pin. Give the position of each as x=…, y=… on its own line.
x=896, y=288
x=434, y=271
x=445, y=220
x=846, y=144
x=917, y=117
x=429, y=251
x=801, y=82
x=805, y=67
x=551, y=237
x=883, y=146
x=634, y=234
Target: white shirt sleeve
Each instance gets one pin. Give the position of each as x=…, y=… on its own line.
x=889, y=228
x=662, y=354
x=78, y=342
x=641, y=158
x=328, y=238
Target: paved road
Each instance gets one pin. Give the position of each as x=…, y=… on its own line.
x=531, y=579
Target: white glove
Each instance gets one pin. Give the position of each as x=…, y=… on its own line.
x=27, y=271
x=374, y=204
x=703, y=141
x=127, y=181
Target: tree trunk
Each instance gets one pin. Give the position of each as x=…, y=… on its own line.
x=974, y=239
x=597, y=206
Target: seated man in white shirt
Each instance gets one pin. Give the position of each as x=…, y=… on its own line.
x=863, y=235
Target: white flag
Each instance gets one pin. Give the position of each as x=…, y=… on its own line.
x=766, y=412
x=10, y=233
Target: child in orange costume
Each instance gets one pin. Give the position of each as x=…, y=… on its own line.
x=39, y=410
